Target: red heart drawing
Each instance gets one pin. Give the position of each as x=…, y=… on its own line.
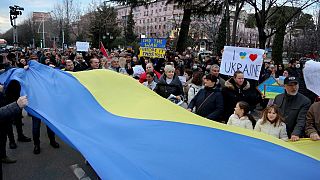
x=253, y=57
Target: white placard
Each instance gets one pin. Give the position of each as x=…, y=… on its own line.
x=138, y=70
x=311, y=74
x=182, y=79
x=247, y=60
x=82, y=46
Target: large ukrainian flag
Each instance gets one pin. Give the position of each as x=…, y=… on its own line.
x=127, y=131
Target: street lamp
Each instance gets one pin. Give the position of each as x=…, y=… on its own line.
x=14, y=12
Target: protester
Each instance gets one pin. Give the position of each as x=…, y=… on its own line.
x=241, y=116
x=195, y=86
x=149, y=68
x=150, y=83
x=313, y=122
x=215, y=70
x=6, y=112
x=272, y=123
x=94, y=64
x=293, y=106
x=237, y=89
x=169, y=83
x=208, y=102
x=69, y=66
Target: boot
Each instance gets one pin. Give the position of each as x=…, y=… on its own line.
x=24, y=138
x=7, y=160
x=12, y=145
x=36, y=149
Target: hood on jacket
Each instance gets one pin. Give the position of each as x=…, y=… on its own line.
x=231, y=84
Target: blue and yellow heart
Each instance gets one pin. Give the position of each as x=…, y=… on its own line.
x=243, y=55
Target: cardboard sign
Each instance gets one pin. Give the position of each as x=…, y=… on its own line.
x=247, y=60
x=82, y=46
x=153, y=42
x=270, y=88
x=152, y=52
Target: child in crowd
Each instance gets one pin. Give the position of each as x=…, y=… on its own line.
x=150, y=83
x=241, y=116
x=272, y=123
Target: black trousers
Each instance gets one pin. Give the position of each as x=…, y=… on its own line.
x=4, y=128
x=36, y=124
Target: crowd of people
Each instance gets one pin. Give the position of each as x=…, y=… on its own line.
x=194, y=80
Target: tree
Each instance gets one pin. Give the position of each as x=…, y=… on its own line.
x=278, y=22
x=130, y=37
x=238, y=4
x=221, y=41
x=190, y=7
x=104, y=26
x=262, y=14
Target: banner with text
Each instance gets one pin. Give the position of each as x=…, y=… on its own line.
x=152, y=52
x=153, y=47
x=247, y=60
x=153, y=42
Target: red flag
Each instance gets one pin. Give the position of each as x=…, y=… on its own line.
x=103, y=50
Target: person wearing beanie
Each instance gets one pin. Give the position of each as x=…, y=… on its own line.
x=208, y=102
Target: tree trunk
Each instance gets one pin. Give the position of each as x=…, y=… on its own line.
x=228, y=23
x=184, y=31
x=277, y=45
x=235, y=22
x=262, y=38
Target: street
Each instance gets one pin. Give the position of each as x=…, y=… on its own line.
x=50, y=164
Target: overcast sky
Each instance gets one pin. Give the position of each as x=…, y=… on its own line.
x=29, y=7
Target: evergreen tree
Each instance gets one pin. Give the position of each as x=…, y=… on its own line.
x=221, y=40
x=129, y=29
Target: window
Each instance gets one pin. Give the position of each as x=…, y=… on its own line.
x=165, y=8
x=144, y=21
x=156, y=10
x=140, y=21
x=155, y=27
x=164, y=26
x=159, y=26
x=164, y=18
x=155, y=19
x=148, y=21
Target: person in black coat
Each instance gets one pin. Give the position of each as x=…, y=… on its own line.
x=238, y=89
x=208, y=101
x=6, y=112
x=294, y=107
x=169, y=83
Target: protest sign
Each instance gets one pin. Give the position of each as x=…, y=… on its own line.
x=153, y=42
x=182, y=79
x=82, y=46
x=138, y=70
x=247, y=60
x=153, y=47
x=152, y=52
x=311, y=74
x=270, y=88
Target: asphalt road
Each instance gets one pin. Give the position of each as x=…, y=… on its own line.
x=50, y=164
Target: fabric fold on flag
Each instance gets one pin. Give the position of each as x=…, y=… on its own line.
x=127, y=131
